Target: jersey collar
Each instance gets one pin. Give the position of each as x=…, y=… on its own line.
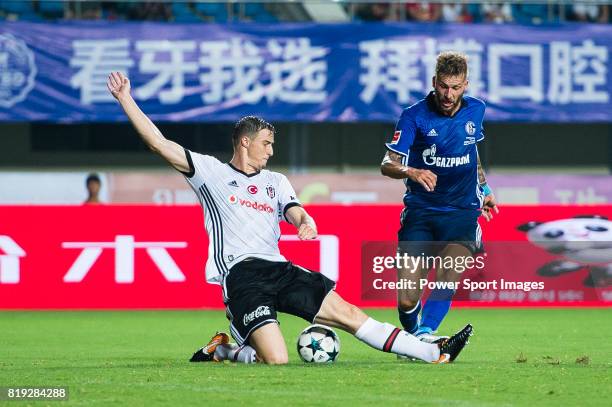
x=242, y=172
x=431, y=103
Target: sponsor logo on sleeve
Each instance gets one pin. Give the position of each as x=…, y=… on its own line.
x=396, y=137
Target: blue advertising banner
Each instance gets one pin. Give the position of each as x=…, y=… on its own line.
x=298, y=72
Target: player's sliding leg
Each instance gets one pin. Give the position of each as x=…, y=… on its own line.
x=219, y=349
x=266, y=344
x=269, y=344
x=338, y=313
x=439, y=302
x=235, y=353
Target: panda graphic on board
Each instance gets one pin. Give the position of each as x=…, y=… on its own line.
x=585, y=242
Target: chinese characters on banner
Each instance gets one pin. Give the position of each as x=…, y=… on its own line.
x=577, y=72
x=296, y=71
x=334, y=72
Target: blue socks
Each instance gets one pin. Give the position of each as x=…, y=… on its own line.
x=410, y=319
x=435, y=309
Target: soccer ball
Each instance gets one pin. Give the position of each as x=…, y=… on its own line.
x=318, y=344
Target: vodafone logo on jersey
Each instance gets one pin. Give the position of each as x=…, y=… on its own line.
x=256, y=205
x=252, y=189
x=261, y=207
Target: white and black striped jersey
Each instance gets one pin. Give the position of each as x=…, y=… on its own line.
x=241, y=212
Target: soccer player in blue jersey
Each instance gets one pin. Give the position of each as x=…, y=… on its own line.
x=434, y=151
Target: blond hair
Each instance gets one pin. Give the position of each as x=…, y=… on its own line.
x=451, y=63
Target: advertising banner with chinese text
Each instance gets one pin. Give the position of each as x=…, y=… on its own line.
x=298, y=72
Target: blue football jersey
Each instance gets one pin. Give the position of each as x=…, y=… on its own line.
x=447, y=147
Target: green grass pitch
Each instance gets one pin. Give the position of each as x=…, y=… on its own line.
x=517, y=357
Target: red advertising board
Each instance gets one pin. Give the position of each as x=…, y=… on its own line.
x=123, y=257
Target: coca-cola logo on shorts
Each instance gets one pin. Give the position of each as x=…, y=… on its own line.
x=259, y=312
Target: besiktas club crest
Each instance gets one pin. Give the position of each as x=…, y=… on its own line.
x=271, y=191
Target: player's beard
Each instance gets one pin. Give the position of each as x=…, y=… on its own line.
x=440, y=99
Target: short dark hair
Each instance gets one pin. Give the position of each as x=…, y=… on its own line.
x=249, y=125
x=450, y=63
x=92, y=178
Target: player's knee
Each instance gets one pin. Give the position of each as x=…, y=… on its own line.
x=276, y=358
x=407, y=304
x=274, y=355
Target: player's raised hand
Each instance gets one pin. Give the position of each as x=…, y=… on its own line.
x=489, y=206
x=424, y=177
x=306, y=232
x=118, y=84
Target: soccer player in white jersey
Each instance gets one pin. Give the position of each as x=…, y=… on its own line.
x=243, y=204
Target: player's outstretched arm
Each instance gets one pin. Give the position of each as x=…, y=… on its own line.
x=119, y=86
x=298, y=217
x=392, y=167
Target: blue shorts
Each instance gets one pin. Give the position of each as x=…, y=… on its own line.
x=420, y=226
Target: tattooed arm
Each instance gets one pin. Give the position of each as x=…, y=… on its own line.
x=481, y=175
x=489, y=204
x=392, y=167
